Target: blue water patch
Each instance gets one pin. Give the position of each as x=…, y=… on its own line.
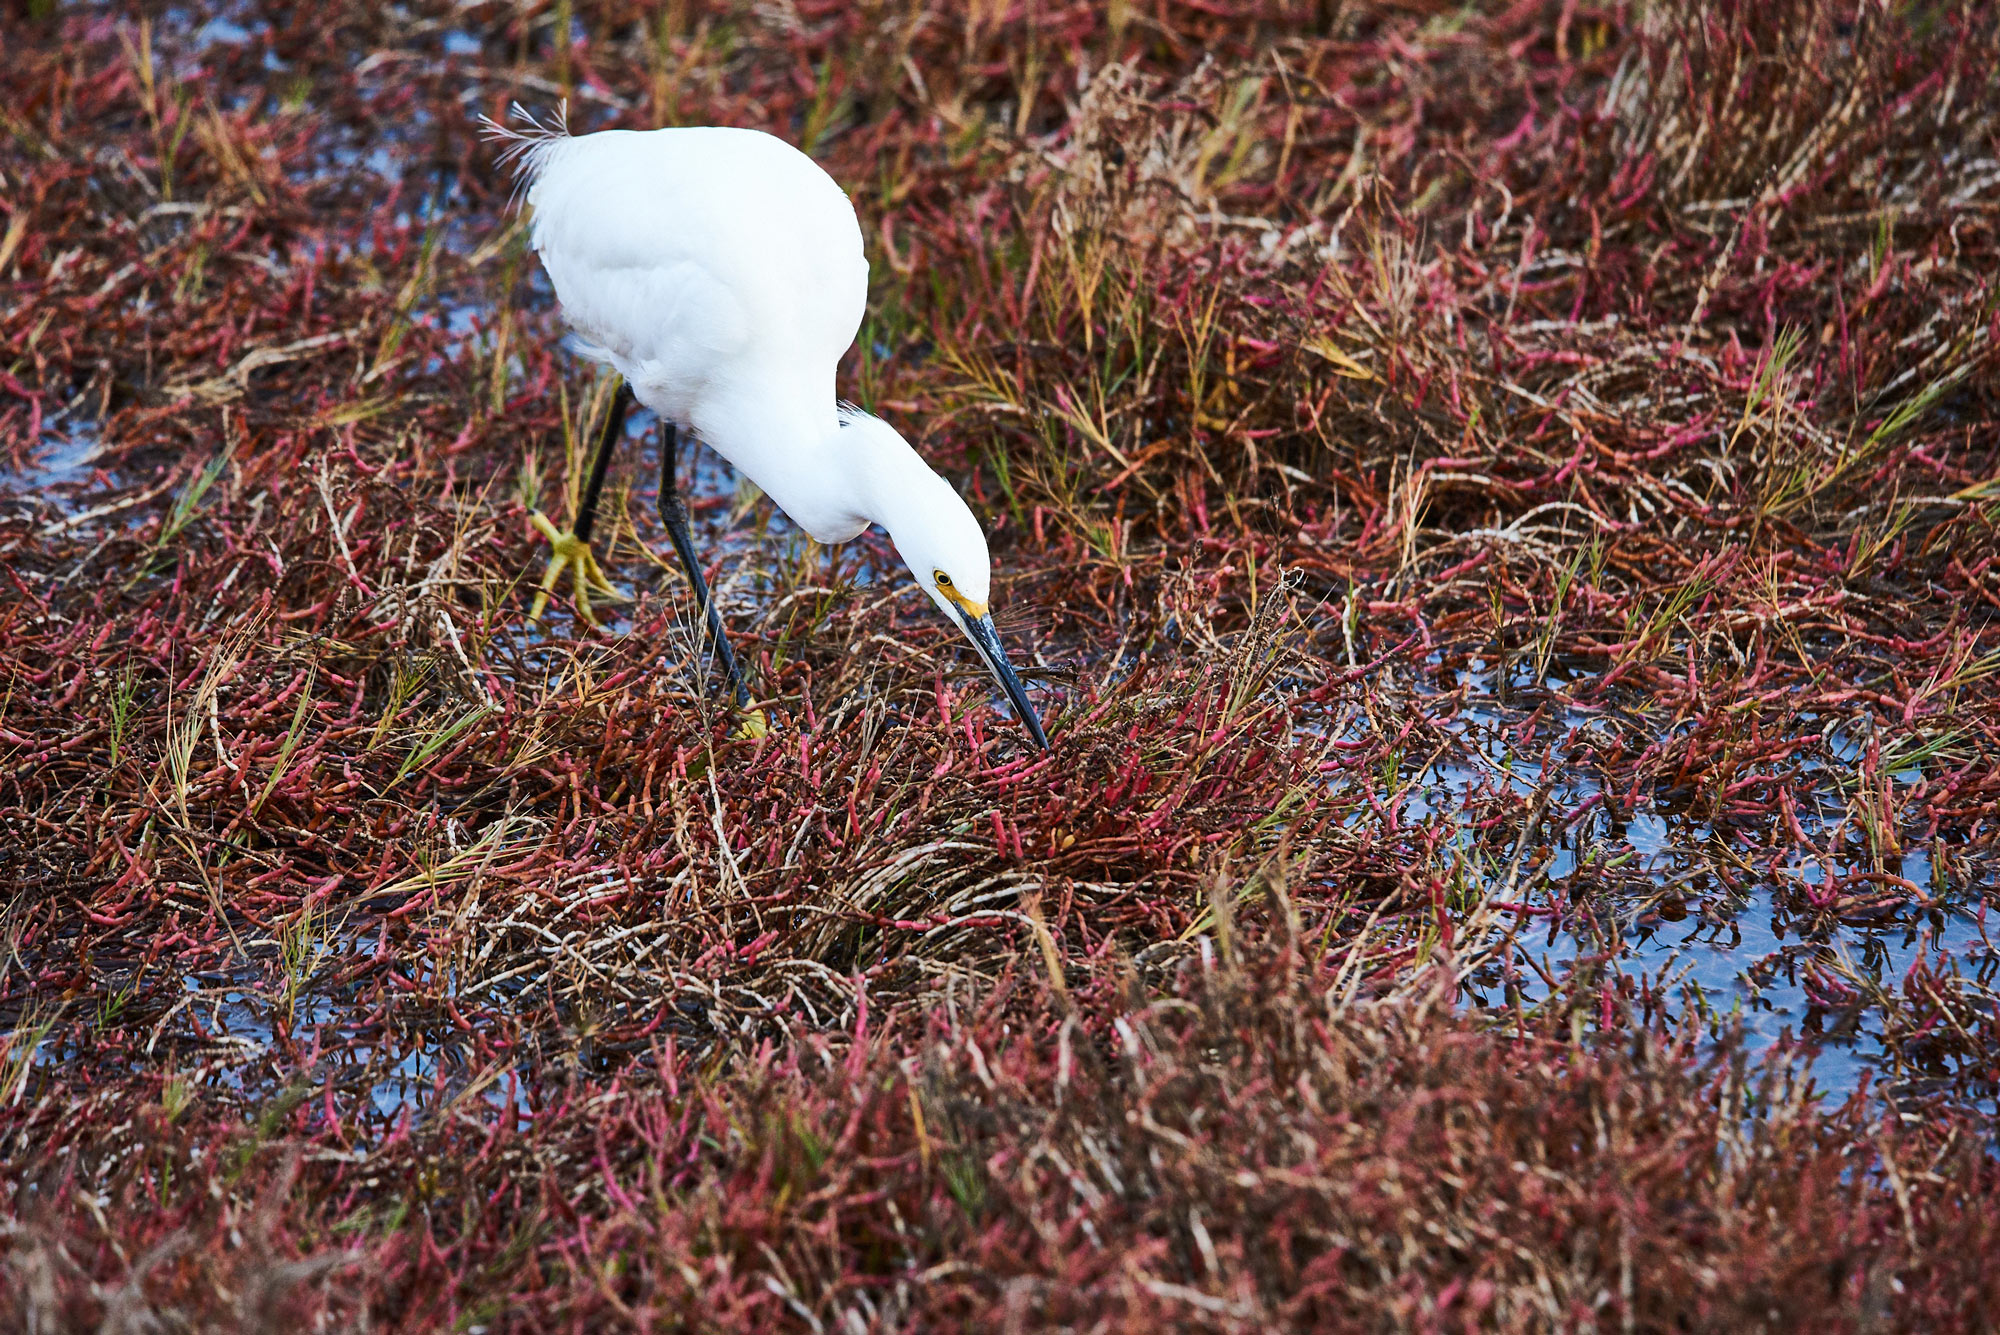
x=1799, y=946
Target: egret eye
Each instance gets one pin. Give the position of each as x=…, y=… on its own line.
x=943, y=580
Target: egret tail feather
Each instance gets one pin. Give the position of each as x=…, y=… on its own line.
x=528, y=149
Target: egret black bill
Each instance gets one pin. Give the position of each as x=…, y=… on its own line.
x=987, y=640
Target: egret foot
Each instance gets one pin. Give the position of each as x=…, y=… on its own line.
x=571, y=553
x=750, y=726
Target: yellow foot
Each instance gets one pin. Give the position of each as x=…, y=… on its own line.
x=571, y=553
x=751, y=725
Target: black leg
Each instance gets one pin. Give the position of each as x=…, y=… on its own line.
x=614, y=427
x=571, y=551
x=674, y=511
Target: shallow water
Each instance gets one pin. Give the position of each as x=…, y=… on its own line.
x=61, y=479
x=1747, y=959
x=62, y=462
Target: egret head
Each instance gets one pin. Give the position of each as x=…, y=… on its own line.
x=942, y=543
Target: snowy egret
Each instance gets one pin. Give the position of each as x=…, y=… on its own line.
x=720, y=273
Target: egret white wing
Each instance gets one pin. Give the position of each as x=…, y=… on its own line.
x=680, y=252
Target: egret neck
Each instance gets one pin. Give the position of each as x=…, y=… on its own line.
x=937, y=537
x=863, y=473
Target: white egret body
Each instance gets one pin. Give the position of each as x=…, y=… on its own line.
x=721, y=273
